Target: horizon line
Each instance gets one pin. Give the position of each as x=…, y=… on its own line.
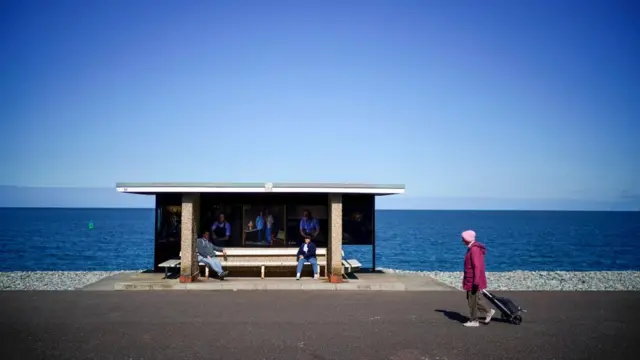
x=394, y=209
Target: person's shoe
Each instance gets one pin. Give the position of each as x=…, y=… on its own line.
x=487, y=319
x=315, y=277
x=471, y=324
x=223, y=274
x=297, y=276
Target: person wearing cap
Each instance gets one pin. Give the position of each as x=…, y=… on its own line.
x=474, y=279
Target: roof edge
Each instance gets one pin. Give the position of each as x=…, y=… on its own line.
x=180, y=187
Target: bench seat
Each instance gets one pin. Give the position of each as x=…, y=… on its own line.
x=270, y=257
x=171, y=263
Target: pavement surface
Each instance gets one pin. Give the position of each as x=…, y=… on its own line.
x=363, y=281
x=312, y=325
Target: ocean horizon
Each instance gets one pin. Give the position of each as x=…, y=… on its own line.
x=60, y=239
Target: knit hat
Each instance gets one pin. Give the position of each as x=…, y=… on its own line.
x=469, y=236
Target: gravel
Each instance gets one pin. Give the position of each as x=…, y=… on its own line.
x=544, y=280
x=510, y=280
x=51, y=280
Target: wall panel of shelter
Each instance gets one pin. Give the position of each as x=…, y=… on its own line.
x=168, y=216
x=262, y=220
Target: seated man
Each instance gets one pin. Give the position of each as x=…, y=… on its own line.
x=220, y=230
x=207, y=254
x=307, y=253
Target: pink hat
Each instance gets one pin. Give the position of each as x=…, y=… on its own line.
x=469, y=236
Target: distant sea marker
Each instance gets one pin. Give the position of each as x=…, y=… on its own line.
x=90, y=225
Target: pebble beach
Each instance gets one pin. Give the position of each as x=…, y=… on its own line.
x=51, y=280
x=504, y=281
x=543, y=280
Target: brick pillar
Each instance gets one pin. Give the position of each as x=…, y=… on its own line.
x=189, y=270
x=334, y=251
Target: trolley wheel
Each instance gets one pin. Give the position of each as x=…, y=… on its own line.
x=517, y=320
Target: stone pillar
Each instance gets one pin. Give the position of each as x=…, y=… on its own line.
x=334, y=251
x=189, y=270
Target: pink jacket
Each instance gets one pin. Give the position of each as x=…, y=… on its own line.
x=474, y=273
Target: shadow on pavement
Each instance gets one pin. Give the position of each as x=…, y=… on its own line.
x=456, y=316
x=453, y=315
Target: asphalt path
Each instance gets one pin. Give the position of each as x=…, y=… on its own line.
x=312, y=325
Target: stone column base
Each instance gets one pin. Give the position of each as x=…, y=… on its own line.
x=335, y=279
x=189, y=279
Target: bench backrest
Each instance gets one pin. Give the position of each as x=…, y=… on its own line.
x=268, y=252
x=271, y=254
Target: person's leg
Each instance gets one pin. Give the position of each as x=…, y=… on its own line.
x=268, y=235
x=214, y=264
x=314, y=265
x=472, y=300
x=484, y=309
x=299, y=268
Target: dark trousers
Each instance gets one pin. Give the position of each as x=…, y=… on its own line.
x=475, y=304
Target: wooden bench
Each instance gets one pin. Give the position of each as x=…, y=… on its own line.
x=349, y=266
x=267, y=257
x=172, y=263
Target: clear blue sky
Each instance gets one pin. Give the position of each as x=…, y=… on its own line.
x=493, y=99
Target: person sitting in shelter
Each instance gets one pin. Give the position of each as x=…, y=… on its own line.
x=207, y=254
x=307, y=253
x=309, y=226
x=220, y=230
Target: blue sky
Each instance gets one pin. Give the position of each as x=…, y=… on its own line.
x=510, y=100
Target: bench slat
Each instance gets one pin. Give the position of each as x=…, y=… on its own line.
x=354, y=263
x=170, y=263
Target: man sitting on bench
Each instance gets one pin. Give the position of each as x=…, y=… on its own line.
x=207, y=255
x=307, y=253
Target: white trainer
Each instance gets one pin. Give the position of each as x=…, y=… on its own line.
x=315, y=277
x=297, y=276
x=471, y=324
x=487, y=319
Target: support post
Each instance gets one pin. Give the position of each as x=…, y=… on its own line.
x=189, y=269
x=373, y=240
x=334, y=250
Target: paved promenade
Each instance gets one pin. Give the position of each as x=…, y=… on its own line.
x=363, y=281
x=311, y=325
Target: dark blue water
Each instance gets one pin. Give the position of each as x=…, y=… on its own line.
x=60, y=239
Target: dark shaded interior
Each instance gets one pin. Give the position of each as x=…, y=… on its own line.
x=241, y=211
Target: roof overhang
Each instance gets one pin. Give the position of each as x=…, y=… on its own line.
x=324, y=188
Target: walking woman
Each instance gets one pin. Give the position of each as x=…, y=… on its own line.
x=474, y=279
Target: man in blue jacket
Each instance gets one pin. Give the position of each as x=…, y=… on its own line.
x=307, y=253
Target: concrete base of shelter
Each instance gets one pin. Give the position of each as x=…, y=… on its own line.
x=361, y=281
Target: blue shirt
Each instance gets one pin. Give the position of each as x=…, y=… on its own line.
x=224, y=224
x=259, y=222
x=309, y=225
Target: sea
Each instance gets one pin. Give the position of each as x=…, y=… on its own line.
x=58, y=239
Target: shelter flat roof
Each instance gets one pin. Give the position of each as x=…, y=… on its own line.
x=211, y=187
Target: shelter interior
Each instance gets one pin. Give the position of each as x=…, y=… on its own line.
x=263, y=220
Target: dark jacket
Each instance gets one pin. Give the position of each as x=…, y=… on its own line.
x=474, y=273
x=311, y=251
x=205, y=248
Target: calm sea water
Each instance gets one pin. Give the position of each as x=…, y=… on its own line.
x=60, y=239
